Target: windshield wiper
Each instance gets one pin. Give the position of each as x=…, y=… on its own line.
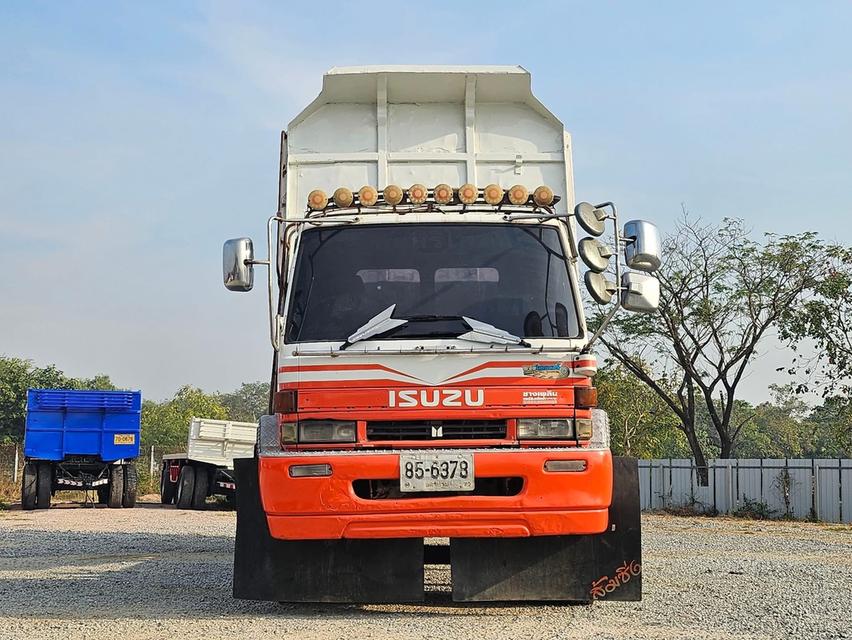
x=383, y=323
x=379, y=323
x=484, y=332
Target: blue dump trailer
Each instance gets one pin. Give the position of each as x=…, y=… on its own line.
x=81, y=441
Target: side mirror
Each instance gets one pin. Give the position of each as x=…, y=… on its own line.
x=592, y=219
x=595, y=254
x=237, y=264
x=642, y=251
x=640, y=292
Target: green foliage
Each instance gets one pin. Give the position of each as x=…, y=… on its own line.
x=641, y=424
x=18, y=375
x=165, y=425
x=754, y=510
x=247, y=403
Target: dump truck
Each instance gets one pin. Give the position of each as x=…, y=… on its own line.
x=81, y=441
x=432, y=372
x=206, y=468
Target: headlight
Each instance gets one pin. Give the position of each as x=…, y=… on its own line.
x=326, y=431
x=545, y=429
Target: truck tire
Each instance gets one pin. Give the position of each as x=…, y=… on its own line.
x=128, y=494
x=44, y=486
x=103, y=493
x=167, y=487
x=199, y=493
x=116, y=486
x=185, y=487
x=28, y=486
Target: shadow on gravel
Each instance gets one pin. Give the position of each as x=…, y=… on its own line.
x=160, y=576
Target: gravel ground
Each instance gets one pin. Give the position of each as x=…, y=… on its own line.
x=154, y=572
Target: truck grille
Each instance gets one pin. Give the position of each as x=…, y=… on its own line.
x=437, y=430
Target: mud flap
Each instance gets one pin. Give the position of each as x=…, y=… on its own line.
x=565, y=568
x=349, y=571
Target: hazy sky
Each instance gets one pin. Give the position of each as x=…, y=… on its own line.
x=135, y=137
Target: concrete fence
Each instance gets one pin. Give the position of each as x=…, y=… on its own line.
x=819, y=489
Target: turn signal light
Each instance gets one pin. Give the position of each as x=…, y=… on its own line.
x=317, y=200
x=392, y=194
x=493, y=194
x=417, y=194
x=585, y=428
x=310, y=470
x=518, y=194
x=543, y=196
x=585, y=397
x=343, y=197
x=467, y=194
x=285, y=401
x=443, y=194
x=368, y=196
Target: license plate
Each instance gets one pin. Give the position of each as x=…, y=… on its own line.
x=435, y=472
x=124, y=438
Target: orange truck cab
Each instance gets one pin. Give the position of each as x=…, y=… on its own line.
x=432, y=373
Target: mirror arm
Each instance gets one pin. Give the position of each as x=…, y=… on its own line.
x=609, y=316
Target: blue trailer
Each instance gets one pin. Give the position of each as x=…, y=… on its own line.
x=81, y=440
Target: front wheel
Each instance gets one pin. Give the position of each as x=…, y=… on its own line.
x=128, y=495
x=185, y=487
x=44, y=485
x=116, y=486
x=28, y=486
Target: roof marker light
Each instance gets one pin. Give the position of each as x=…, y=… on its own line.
x=468, y=193
x=342, y=197
x=417, y=194
x=368, y=196
x=443, y=194
x=493, y=194
x=518, y=194
x=392, y=194
x=543, y=196
x=317, y=200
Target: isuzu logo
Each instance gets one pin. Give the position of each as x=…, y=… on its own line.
x=436, y=398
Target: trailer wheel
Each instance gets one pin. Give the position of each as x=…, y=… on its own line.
x=44, y=486
x=185, y=487
x=103, y=494
x=199, y=493
x=28, y=486
x=116, y=486
x=167, y=487
x=128, y=495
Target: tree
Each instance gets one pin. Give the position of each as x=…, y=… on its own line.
x=17, y=375
x=166, y=424
x=824, y=320
x=247, y=403
x=641, y=424
x=721, y=293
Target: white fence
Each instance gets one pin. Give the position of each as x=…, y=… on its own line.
x=819, y=489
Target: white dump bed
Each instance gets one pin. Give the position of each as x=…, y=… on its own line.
x=424, y=124
x=218, y=442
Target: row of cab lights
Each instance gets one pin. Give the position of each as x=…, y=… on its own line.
x=466, y=194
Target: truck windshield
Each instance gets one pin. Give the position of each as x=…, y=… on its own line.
x=514, y=277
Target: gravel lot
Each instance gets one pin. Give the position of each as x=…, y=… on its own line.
x=154, y=572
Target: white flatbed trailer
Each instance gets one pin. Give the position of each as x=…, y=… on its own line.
x=207, y=467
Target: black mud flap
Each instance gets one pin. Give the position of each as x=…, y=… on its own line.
x=348, y=571
x=607, y=566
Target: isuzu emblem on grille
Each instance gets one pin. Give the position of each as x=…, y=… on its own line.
x=437, y=432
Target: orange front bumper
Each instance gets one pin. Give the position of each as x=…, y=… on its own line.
x=560, y=503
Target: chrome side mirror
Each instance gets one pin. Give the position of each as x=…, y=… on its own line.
x=238, y=264
x=640, y=292
x=642, y=248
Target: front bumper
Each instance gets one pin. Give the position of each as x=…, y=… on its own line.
x=560, y=503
